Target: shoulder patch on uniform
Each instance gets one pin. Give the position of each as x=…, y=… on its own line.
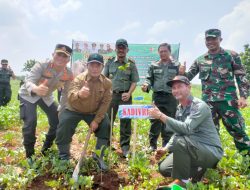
x=131, y=60
x=155, y=63
x=175, y=62
x=111, y=57
x=195, y=107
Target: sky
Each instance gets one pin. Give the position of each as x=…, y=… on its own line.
x=30, y=29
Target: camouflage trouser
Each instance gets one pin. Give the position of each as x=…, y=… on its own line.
x=232, y=120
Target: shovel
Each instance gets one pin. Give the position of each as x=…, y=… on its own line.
x=79, y=164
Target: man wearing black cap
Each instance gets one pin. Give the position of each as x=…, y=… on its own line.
x=43, y=79
x=124, y=75
x=5, y=89
x=218, y=70
x=89, y=97
x=195, y=144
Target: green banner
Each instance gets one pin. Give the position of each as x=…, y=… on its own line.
x=143, y=54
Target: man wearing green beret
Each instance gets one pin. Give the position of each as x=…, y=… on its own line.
x=218, y=69
x=124, y=75
x=89, y=97
x=5, y=89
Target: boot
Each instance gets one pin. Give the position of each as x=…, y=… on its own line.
x=30, y=151
x=100, y=162
x=64, y=151
x=46, y=147
x=47, y=143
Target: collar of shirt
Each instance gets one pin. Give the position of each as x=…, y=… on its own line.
x=89, y=78
x=209, y=55
x=189, y=102
x=160, y=62
x=125, y=60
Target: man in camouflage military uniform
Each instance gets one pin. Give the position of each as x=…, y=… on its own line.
x=124, y=75
x=5, y=88
x=159, y=73
x=195, y=145
x=218, y=68
x=89, y=98
x=43, y=79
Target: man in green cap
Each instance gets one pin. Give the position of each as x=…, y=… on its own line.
x=159, y=73
x=37, y=90
x=89, y=97
x=218, y=69
x=124, y=75
x=195, y=145
x=5, y=89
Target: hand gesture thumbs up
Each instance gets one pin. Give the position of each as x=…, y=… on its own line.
x=45, y=82
x=84, y=91
x=42, y=89
x=182, y=68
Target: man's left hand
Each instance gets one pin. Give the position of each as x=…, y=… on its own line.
x=242, y=102
x=125, y=96
x=93, y=125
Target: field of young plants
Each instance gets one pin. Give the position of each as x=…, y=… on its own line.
x=48, y=172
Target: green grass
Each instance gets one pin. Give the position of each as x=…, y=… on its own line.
x=15, y=173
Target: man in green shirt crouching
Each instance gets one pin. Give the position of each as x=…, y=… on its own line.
x=195, y=144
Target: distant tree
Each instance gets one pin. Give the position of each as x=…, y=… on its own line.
x=245, y=58
x=29, y=64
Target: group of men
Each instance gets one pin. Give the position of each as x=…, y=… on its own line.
x=188, y=131
x=93, y=48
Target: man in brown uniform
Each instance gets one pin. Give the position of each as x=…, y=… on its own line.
x=89, y=97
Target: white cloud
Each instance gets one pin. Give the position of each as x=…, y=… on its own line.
x=235, y=26
x=46, y=8
x=16, y=36
x=162, y=26
x=199, y=40
x=130, y=26
x=76, y=35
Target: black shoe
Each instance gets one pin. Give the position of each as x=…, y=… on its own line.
x=125, y=153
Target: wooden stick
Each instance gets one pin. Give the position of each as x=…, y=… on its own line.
x=134, y=140
x=79, y=164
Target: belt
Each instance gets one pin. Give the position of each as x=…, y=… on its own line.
x=119, y=92
x=162, y=93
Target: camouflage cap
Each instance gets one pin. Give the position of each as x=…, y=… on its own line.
x=95, y=57
x=213, y=33
x=61, y=48
x=4, y=61
x=178, y=78
x=121, y=42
